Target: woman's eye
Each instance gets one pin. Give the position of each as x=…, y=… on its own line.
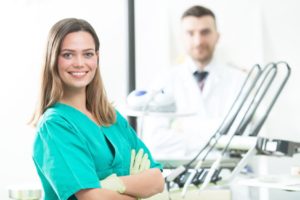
x=89, y=54
x=67, y=55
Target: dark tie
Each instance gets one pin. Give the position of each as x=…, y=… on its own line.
x=200, y=77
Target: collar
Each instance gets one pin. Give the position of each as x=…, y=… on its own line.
x=193, y=67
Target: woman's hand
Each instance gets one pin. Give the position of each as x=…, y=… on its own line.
x=139, y=162
x=114, y=183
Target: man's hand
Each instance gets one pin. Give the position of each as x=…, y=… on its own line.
x=114, y=183
x=139, y=162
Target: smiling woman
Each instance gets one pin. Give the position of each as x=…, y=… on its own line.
x=83, y=146
x=19, y=87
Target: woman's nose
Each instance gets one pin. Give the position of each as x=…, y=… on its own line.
x=78, y=62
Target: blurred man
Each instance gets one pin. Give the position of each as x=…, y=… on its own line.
x=203, y=89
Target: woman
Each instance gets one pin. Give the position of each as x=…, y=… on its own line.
x=83, y=145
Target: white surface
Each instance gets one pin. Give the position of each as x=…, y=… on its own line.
x=135, y=113
x=282, y=182
x=238, y=142
x=193, y=193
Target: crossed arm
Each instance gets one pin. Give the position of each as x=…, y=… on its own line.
x=144, y=184
x=101, y=194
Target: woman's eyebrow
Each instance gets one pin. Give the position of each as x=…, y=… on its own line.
x=72, y=50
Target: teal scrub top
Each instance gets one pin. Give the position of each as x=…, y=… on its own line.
x=71, y=152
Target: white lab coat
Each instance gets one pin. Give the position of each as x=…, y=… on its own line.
x=183, y=137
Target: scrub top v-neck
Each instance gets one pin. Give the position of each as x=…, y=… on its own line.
x=72, y=152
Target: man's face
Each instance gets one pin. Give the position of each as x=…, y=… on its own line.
x=200, y=37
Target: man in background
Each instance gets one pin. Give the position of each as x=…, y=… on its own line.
x=203, y=89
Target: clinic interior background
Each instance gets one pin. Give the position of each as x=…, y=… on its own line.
x=252, y=32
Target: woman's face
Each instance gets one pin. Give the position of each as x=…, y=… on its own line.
x=77, y=60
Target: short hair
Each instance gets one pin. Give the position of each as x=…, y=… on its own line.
x=198, y=11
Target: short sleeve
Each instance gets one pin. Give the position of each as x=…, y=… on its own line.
x=136, y=142
x=63, y=158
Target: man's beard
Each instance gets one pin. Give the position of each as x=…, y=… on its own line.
x=202, y=57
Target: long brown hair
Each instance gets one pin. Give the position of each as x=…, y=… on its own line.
x=51, y=85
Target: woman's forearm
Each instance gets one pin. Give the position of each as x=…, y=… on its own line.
x=101, y=194
x=145, y=184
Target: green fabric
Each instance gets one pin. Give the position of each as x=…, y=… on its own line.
x=72, y=153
